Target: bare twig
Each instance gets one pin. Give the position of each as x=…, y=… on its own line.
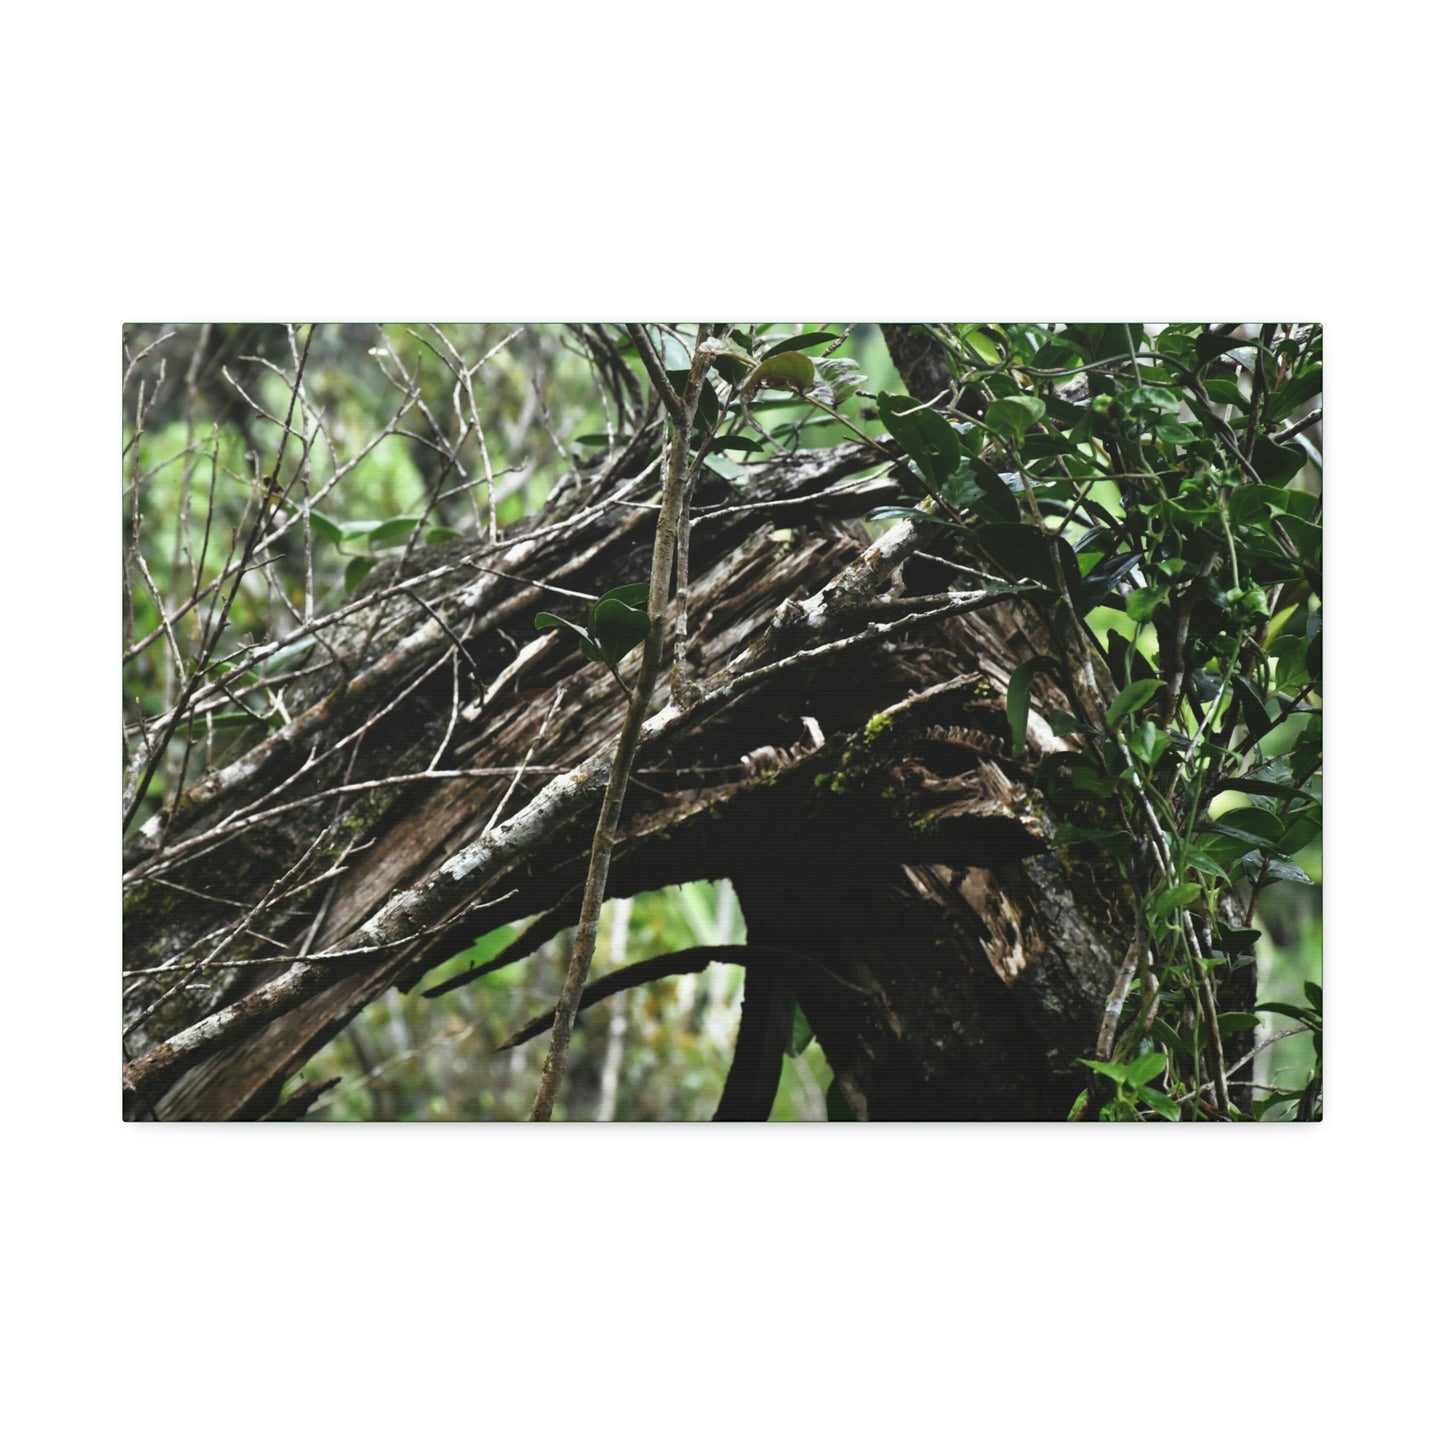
x=674, y=492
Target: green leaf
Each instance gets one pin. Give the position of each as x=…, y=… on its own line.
x=1257, y=826
x=633, y=594
x=707, y=409
x=800, y=1032
x=838, y=378
x=1144, y=1068
x=1224, y=850
x=325, y=528
x=1304, y=386
x=545, y=620
x=1277, y=870
x=1235, y=940
x=785, y=368
x=392, y=532
x=1132, y=698
x=1300, y=830
x=976, y=487
x=1118, y=1072
x=1161, y=1104
x=340, y=532
x=839, y=1111
x=738, y=443
x=1226, y=393
x=1276, y=464
x=674, y=356
x=1291, y=1011
x=801, y=343
x=1027, y=552
x=618, y=628
x=1197, y=859
x=1017, y=706
x=1209, y=346
x=924, y=435
x=1143, y=602
x=1102, y=580
x=1012, y=416
x=1149, y=742
x=1236, y=1023
x=1166, y=900
x=356, y=570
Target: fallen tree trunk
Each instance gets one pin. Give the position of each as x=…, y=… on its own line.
x=845, y=761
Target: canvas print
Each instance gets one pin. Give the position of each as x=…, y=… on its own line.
x=735, y=721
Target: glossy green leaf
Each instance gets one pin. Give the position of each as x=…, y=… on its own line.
x=978, y=488
x=785, y=368
x=1235, y=940
x=1236, y=1022
x=1301, y=829
x=1132, y=698
x=801, y=343
x=800, y=1032
x=1144, y=1068
x=1149, y=742
x=673, y=354
x=1017, y=705
x=1119, y=1073
x=1161, y=1104
x=839, y=1110
x=1277, y=870
x=1164, y=902
x=1211, y=345
x=1256, y=825
x=1293, y=393
x=1102, y=580
x=1012, y=416
x=618, y=628
x=1026, y=552
x=356, y=571
x=1291, y=1011
x=325, y=528
x=633, y=594
x=1197, y=860
x=1276, y=464
x=392, y=532
x=341, y=532
x=924, y=435
x=545, y=620
x=1227, y=394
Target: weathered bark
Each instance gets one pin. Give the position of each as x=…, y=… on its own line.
x=862, y=798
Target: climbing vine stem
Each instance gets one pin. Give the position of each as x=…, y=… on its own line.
x=681, y=410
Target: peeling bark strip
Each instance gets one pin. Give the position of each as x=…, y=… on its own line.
x=844, y=759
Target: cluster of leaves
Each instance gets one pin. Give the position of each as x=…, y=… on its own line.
x=1162, y=514
x=617, y=623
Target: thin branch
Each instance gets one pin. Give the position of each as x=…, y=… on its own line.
x=674, y=492
x=670, y=398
